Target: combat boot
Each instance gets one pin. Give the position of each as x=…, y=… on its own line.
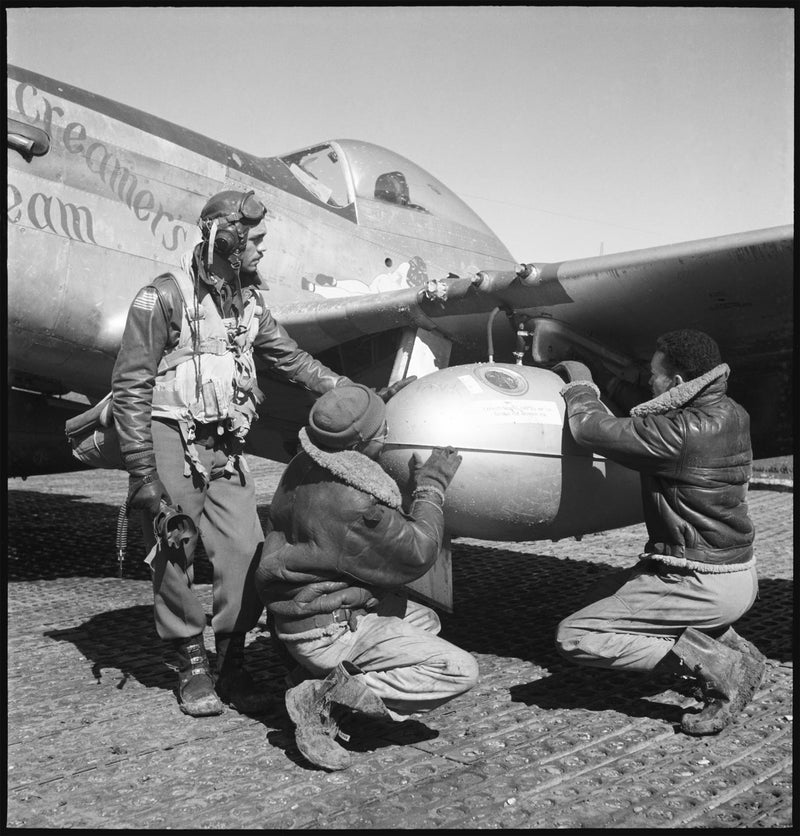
x=316, y=724
x=196, y=695
x=351, y=692
x=235, y=686
x=316, y=707
x=728, y=679
x=730, y=638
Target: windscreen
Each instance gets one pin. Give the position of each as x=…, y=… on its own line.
x=320, y=171
x=386, y=177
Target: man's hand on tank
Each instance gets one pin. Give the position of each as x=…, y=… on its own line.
x=438, y=471
x=572, y=371
x=388, y=392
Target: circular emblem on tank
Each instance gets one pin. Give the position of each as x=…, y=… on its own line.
x=507, y=381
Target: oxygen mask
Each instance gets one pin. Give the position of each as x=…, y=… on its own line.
x=175, y=528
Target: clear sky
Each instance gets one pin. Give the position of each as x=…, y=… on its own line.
x=569, y=130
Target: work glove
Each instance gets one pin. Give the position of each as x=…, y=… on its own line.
x=572, y=370
x=600, y=374
x=326, y=596
x=389, y=392
x=146, y=494
x=438, y=471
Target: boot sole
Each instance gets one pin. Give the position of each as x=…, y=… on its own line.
x=202, y=708
x=197, y=696
x=340, y=759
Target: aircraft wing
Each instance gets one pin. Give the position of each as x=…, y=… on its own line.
x=738, y=288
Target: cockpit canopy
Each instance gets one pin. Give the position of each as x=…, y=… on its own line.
x=346, y=173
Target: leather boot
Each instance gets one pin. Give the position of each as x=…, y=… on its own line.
x=196, y=695
x=316, y=725
x=730, y=638
x=727, y=677
x=316, y=707
x=351, y=692
x=235, y=686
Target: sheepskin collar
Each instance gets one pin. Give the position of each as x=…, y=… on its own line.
x=680, y=395
x=357, y=470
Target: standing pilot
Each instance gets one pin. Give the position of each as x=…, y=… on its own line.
x=184, y=394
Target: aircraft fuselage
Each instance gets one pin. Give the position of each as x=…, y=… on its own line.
x=114, y=202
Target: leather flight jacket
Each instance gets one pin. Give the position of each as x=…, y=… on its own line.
x=337, y=544
x=153, y=331
x=691, y=447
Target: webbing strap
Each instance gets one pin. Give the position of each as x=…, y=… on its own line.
x=215, y=345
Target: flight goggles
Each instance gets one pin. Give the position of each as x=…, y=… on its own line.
x=251, y=210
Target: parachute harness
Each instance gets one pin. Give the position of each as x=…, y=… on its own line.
x=241, y=411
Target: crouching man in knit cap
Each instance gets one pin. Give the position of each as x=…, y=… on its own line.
x=341, y=547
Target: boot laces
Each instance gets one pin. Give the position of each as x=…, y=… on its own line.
x=710, y=692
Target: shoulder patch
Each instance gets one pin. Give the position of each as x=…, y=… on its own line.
x=146, y=299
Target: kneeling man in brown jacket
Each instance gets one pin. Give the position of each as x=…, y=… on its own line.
x=340, y=549
x=673, y=610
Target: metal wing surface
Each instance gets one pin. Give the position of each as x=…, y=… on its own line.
x=738, y=288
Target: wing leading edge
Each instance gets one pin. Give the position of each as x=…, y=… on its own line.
x=738, y=288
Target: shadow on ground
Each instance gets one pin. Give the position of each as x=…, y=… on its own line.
x=506, y=603
x=575, y=687
x=529, y=594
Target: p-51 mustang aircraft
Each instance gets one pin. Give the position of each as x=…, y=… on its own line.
x=378, y=269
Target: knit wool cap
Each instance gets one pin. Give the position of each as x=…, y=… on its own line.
x=345, y=416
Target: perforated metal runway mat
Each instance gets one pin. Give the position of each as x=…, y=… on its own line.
x=95, y=738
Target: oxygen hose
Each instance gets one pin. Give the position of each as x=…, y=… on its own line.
x=175, y=528
x=122, y=535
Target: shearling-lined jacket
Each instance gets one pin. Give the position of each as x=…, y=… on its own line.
x=340, y=536
x=153, y=329
x=691, y=446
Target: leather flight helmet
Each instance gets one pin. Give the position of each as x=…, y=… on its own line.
x=226, y=219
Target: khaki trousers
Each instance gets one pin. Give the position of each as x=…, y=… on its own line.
x=406, y=664
x=638, y=614
x=224, y=511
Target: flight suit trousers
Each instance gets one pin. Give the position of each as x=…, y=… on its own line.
x=224, y=511
x=406, y=664
x=638, y=614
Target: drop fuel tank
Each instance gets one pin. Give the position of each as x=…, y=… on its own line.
x=522, y=476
